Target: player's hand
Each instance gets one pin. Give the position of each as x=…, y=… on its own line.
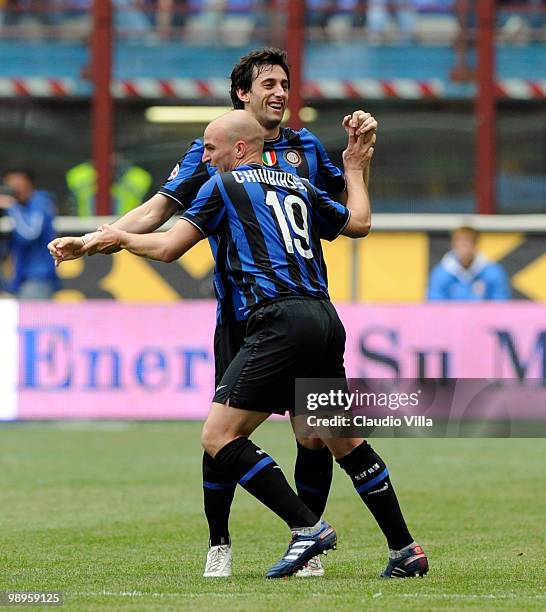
x=359, y=151
x=65, y=249
x=361, y=121
x=106, y=240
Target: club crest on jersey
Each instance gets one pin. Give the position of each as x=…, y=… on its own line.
x=175, y=172
x=293, y=158
x=269, y=158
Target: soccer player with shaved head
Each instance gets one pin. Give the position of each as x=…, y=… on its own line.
x=273, y=223
x=260, y=85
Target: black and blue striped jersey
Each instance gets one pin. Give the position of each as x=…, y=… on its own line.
x=298, y=152
x=273, y=222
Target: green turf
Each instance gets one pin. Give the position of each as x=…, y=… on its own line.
x=111, y=515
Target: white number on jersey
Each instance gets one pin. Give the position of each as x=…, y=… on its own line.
x=303, y=232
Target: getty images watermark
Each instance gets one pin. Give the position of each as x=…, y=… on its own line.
x=421, y=407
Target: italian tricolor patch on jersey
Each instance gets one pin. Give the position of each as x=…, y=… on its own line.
x=269, y=158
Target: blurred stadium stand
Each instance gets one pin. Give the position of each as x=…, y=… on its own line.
x=391, y=266
x=412, y=63
x=400, y=59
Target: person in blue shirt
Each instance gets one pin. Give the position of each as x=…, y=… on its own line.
x=32, y=212
x=464, y=274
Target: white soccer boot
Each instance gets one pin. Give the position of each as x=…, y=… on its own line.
x=218, y=562
x=313, y=568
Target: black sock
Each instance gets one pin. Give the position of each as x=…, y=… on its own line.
x=254, y=469
x=370, y=477
x=313, y=477
x=218, y=491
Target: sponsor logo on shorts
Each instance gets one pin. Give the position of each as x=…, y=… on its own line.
x=293, y=158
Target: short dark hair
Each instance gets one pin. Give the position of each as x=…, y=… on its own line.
x=30, y=174
x=243, y=73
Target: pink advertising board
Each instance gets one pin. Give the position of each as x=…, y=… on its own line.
x=108, y=360
x=102, y=360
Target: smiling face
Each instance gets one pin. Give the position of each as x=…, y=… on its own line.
x=268, y=97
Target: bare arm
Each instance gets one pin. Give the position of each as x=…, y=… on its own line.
x=141, y=220
x=356, y=158
x=161, y=246
x=149, y=216
x=144, y=219
x=365, y=125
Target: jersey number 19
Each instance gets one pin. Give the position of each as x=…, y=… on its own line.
x=291, y=201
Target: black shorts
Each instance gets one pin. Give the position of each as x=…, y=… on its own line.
x=286, y=339
x=228, y=339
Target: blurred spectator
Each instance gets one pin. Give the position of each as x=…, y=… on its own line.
x=517, y=20
x=131, y=184
x=230, y=22
x=4, y=240
x=72, y=17
x=379, y=23
x=130, y=20
x=204, y=20
x=239, y=21
x=349, y=14
x=465, y=274
x=335, y=19
x=169, y=15
x=318, y=13
x=28, y=15
x=32, y=213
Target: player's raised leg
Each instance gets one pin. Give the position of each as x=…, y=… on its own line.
x=370, y=477
x=225, y=437
x=313, y=477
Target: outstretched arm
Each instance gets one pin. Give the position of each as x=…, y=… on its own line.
x=145, y=218
x=148, y=216
x=161, y=246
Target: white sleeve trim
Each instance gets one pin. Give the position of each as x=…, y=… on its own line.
x=194, y=224
x=170, y=195
x=344, y=225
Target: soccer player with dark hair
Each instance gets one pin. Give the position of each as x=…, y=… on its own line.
x=273, y=222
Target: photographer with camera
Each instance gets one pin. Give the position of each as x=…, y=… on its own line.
x=31, y=212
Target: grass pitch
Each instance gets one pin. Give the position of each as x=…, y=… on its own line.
x=111, y=514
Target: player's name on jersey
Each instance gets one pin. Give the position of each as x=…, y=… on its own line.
x=271, y=177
